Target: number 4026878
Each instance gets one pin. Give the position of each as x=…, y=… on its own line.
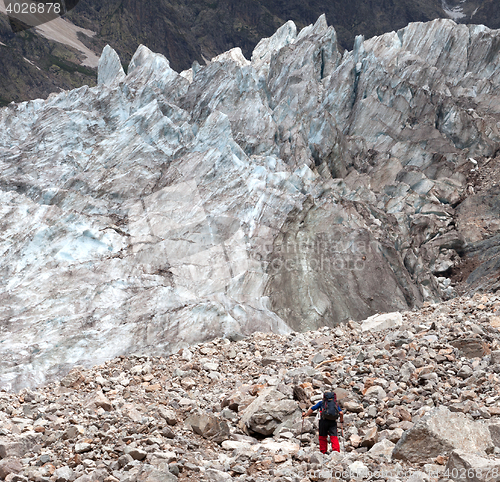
x=32, y=7
x=472, y=473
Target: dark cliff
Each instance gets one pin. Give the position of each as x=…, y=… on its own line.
x=186, y=31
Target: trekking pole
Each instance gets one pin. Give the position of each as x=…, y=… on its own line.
x=301, y=432
x=343, y=438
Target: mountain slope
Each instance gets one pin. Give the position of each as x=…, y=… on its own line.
x=32, y=67
x=227, y=410
x=186, y=31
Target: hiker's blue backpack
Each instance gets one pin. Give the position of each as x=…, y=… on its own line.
x=330, y=409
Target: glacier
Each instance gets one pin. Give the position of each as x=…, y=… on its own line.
x=301, y=188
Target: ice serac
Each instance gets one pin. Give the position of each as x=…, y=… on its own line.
x=110, y=69
x=299, y=189
x=262, y=53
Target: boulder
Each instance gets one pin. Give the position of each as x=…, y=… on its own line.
x=82, y=447
x=383, y=448
x=99, y=400
x=168, y=415
x=370, y=438
x=375, y=391
x=209, y=426
x=214, y=475
x=188, y=383
x=73, y=379
x=355, y=440
x=495, y=355
x=464, y=466
x=440, y=431
x=235, y=445
x=268, y=411
x=136, y=453
x=301, y=393
x=98, y=475
x=9, y=466
x=72, y=432
x=352, y=406
x=239, y=399
x=124, y=460
x=358, y=470
x=382, y=322
x=465, y=372
x=392, y=435
x=157, y=476
x=471, y=347
x=18, y=445
x=407, y=371
x=494, y=429
x=64, y=474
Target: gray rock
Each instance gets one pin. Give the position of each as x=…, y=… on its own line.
x=470, y=467
x=302, y=372
x=494, y=429
x=465, y=372
x=352, y=406
x=441, y=431
x=99, y=474
x=70, y=433
x=370, y=438
x=358, y=469
x=73, y=379
x=383, y=448
x=382, y=322
x=99, y=400
x=418, y=476
x=268, y=411
x=169, y=415
x=471, y=347
x=44, y=458
x=407, y=371
x=64, y=474
x=214, y=475
x=157, y=476
x=392, y=435
x=209, y=426
x=124, y=460
x=9, y=466
x=168, y=433
x=84, y=478
x=18, y=445
x=495, y=357
x=375, y=391
x=82, y=447
x=318, y=358
x=136, y=453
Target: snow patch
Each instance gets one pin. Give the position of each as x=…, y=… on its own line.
x=455, y=13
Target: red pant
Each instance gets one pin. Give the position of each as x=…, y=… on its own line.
x=323, y=444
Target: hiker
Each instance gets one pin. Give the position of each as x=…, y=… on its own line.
x=330, y=412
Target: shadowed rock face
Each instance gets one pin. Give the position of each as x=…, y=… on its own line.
x=297, y=189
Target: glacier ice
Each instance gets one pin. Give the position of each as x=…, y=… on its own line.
x=159, y=209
